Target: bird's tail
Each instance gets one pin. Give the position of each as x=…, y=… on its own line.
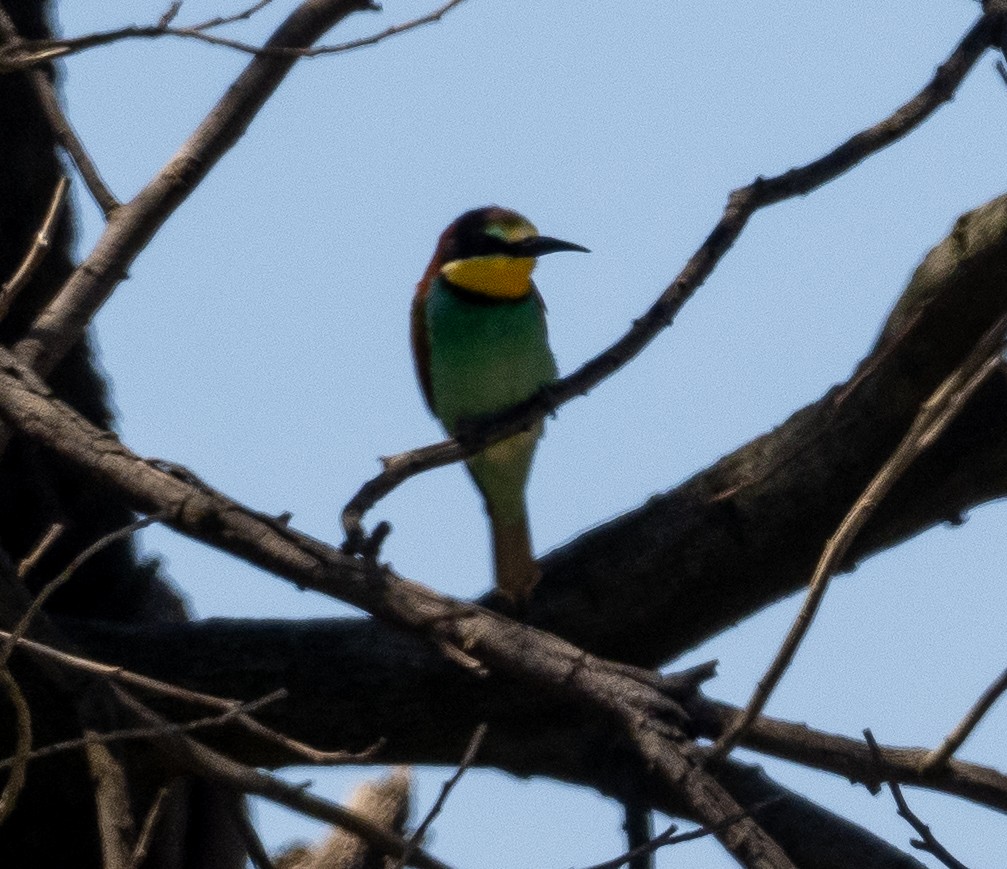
x=516, y=570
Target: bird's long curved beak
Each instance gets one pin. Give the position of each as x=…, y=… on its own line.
x=538, y=245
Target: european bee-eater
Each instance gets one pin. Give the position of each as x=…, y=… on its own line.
x=480, y=346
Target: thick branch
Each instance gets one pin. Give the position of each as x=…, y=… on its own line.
x=511, y=649
x=852, y=758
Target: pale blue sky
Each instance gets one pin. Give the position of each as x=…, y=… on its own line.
x=262, y=338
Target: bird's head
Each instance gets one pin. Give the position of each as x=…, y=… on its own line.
x=492, y=251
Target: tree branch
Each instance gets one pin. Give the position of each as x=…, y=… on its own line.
x=941, y=755
x=928, y=841
x=206, y=763
x=776, y=499
x=39, y=248
x=62, y=322
x=934, y=417
x=741, y=205
x=853, y=759
x=31, y=53
x=513, y=649
x=45, y=92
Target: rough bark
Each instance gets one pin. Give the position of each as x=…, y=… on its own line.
x=652, y=583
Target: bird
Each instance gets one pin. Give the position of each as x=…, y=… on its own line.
x=480, y=346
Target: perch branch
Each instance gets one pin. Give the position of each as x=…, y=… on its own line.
x=530, y=655
x=741, y=205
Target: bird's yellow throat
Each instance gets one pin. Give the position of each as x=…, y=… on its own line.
x=496, y=276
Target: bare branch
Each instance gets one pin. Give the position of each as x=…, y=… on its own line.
x=243, y=15
x=933, y=417
x=467, y=760
x=394, y=30
x=852, y=759
x=38, y=250
x=556, y=667
x=928, y=842
x=741, y=205
x=941, y=755
x=33, y=52
x=671, y=836
x=19, y=764
x=45, y=92
x=62, y=323
x=644, y=850
x=115, y=821
x=147, y=830
x=148, y=733
x=59, y=581
x=28, y=563
x=170, y=14
x=230, y=707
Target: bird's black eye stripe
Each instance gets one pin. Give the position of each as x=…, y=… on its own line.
x=482, y=244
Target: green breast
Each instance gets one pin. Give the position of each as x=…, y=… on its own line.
x=484, y=356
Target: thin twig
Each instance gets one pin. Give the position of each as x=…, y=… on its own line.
x=45, y=92
x=953, y=741
x=27, y=564
x=170, y=14
x=147, y=829
x=244, y=15
x=644, y=849
x=37, y=51
x=131, y=733
x=147, y=683
x=394, y=30
x=672, y=837
x=933, y=417
x=927, y=841
x=741, y=205
x=19, y=764
x=24, y=623
x=38, y=250
x=416, y=839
